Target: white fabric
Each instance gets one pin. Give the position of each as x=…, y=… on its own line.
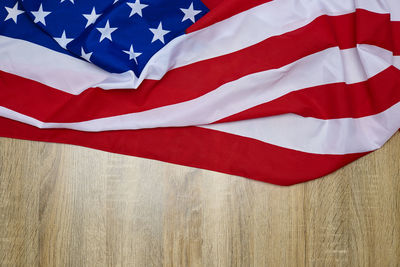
x=337, y=136
x=396, y=62
x=325, y=67
x=54, y=69
x=72, y=75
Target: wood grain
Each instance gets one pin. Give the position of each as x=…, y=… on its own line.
x=63, y=205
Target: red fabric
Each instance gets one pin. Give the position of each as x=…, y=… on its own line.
x=49, y=105
x=326, y=101
x=196, y=147
x=210, y=149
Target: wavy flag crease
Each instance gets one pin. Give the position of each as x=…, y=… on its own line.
x=280, y=91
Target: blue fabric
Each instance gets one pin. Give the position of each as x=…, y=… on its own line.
x=131, y=30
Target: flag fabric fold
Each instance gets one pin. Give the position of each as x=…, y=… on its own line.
x=279, y=91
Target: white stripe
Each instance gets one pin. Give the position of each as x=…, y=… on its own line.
x=325, y=67
x=321, y=68
x=338, y=136
x=393, y=6
x=71, y=75
x=252, y=26
x=55, y=69
x=396, y=62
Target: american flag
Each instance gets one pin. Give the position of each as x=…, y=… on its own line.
x=279, y=91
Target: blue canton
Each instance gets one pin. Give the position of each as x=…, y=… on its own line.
x=116, y=35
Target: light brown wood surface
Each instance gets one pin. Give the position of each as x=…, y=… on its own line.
x=63, y=205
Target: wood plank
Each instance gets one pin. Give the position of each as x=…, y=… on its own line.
x=62, y=205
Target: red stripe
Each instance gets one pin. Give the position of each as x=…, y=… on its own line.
x=223, y=9
x=186, y=83
x=333, y=101
x=197, y=147
x=395, y=30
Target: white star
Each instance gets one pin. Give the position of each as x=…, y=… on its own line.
x=72, y=1
x=115, y=1
x=63, y=40
x=132, y=54
x=86, y=56
x=13, y=13
x=106, y=31
x=40, y=15
x=159, y=33
x=190, y=13
x=92, y=17
x=136, y=8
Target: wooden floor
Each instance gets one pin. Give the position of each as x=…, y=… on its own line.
x=62, y=205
